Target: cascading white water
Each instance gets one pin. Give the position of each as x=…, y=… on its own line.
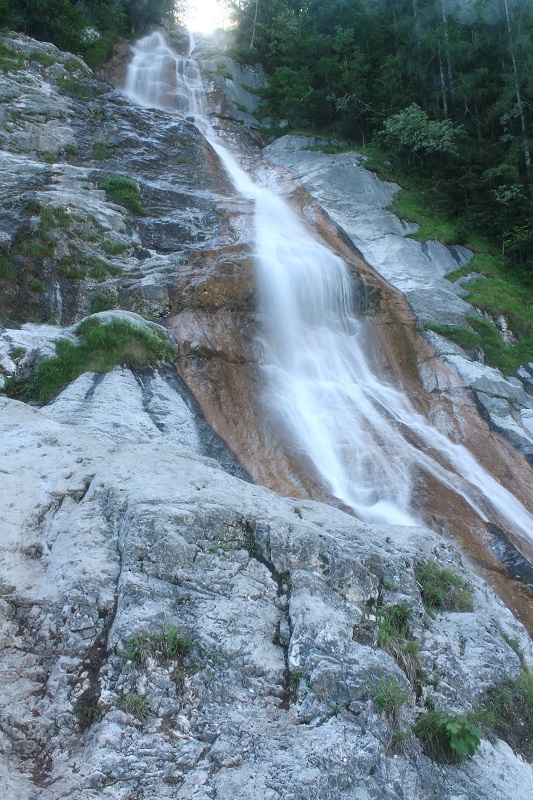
x=363, y=436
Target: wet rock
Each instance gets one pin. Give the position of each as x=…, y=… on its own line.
x=163, y=538
x=357, y=200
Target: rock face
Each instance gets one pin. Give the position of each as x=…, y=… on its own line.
x=124, y=540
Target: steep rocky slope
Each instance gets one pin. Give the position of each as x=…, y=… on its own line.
x=169, y=629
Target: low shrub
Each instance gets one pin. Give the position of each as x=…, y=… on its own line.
x=447, y=738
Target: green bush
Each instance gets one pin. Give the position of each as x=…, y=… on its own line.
x=441, y=589
x=102, y=348
x=124, y=192
x=447, y=738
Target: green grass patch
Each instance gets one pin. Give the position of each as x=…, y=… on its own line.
x=507, y=714
x=102, y=347
x=389, y=697
x=43, y=59
x=172, y=647
x=51, y=218
x=33, y=206
x=124, y=192
x=240, y=107
x=74, y=87
x=7, y=270
x=395, y=637
x=101, y=151
x=447, y=738
x=485, y=334
x=222, y=70
x=34, y=247
x=442, y=589
x=114, y=248
x=134, y=704
x=36, y=286
x=47, y=156
x=102, y=301
x=10, y=59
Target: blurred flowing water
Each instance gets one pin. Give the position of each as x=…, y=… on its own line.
x=363, y=436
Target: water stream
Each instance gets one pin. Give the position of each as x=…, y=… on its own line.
x=364, y=437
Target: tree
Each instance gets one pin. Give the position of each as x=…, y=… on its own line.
x=411, y=131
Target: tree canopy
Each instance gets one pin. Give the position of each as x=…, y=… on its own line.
x=445, y=86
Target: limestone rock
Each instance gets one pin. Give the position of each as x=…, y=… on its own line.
x=108, y=538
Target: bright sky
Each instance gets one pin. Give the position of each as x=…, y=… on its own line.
x=205, y=15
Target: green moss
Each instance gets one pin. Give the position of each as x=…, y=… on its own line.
x=36, y=286
x=102, y=347
x=124, y=192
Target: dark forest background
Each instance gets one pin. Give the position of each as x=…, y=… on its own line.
x=443, y=87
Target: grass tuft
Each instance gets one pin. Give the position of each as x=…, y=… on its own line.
x=442, y=589
x=507, y=713
x=102, y=348
x=124, y=192
x=389, y=697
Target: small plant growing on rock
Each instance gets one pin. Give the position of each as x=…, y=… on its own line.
x=447, y=738
x=102, y=301
x=507, y=713
x=134, y=704
x=389, y=697
x=124, y=192
x=442, y=589
x=395, y=637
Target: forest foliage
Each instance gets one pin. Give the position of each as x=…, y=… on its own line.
x=445, y=87
x=87, y=28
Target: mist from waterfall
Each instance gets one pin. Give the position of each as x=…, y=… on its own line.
x=363, y=436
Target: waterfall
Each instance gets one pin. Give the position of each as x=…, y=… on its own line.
x=364, y=437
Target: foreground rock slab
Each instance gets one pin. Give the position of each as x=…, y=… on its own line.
x=113, y=545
